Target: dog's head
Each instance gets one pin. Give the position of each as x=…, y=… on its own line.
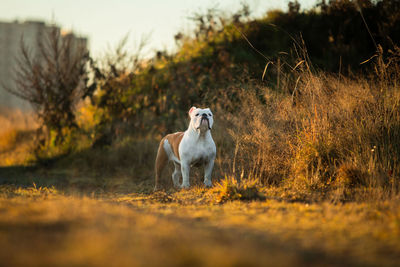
x=201, y=119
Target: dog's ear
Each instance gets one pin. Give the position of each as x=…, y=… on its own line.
x=191, y=110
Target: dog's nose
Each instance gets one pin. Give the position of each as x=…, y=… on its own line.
x=204, y=115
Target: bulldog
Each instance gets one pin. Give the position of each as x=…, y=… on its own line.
x=195, y=146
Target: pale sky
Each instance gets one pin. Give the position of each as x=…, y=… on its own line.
x=105, y=22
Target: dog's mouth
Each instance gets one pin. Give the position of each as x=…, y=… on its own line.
x=201, y=123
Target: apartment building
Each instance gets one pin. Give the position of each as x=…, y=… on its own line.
x=11, y=34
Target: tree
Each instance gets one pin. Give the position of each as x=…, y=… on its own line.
x=293, y=8
x=52, y=79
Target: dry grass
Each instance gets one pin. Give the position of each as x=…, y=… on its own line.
x=46, y=227
x=329, y=133
x=231, y=189
x=16, y=136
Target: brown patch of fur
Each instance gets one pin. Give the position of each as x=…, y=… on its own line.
x=175, y=139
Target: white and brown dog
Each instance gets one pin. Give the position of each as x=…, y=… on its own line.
x=193, y=147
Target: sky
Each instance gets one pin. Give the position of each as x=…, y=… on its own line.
x=106, y=22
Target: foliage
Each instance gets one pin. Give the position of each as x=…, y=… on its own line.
x=153, y=97
x=113, y=92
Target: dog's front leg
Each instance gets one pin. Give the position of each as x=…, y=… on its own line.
x=185, y=169
x=177, y=174
x=208, y=167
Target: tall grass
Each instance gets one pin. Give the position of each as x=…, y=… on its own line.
x=331, y=132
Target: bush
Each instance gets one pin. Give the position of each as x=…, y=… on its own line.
x=230, y=189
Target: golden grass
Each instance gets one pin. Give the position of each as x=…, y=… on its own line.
x=329, y=132
x=8, y=139
x=231, y=189
x=16, y=136
x=16, y=119
x=46, y=227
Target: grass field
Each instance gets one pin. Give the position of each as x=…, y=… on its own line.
x=46, y=226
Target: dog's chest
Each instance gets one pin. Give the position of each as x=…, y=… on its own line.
x=198, y=151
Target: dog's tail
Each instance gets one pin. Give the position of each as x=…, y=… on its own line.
x=161, y=160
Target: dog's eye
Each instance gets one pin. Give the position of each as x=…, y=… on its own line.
x=197, y=114
x=209, y=114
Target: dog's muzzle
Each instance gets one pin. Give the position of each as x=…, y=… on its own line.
x=204, y=118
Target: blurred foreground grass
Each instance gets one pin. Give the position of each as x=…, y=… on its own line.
x=43, y=226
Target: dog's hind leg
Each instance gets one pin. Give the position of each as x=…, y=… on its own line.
x=161, y=161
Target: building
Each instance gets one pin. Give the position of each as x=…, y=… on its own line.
x=11, y=34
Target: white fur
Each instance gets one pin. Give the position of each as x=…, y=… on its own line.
x=170, y=153
x=197, y=145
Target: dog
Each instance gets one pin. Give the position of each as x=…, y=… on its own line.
x=195, y=146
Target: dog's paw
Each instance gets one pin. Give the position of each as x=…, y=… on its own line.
x=185, y=185
x=176, y=184
x=208, y=183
